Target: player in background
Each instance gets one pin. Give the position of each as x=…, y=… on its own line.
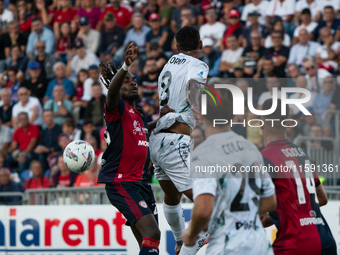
x=127, y=155
x=170, y=141
x=301, y=227
x=229, y=202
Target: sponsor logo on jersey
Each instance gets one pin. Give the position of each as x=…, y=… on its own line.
x=143, y=143
x=177, y=61
x=245, y=225
x=132, y=111
x=137, y=128
x=312, y=221
x=143, y=204
x=200, y=74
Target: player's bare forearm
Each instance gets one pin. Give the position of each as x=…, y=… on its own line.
x=113, y=95
x=267, y=204
x=266, y=220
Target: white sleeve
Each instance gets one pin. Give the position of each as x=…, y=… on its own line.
x=270, y=8
x=336, y=46
x=87, y=94
x=291, y=7
x=296, y=31
x=199, y=71
x=267, y=186
x=319, y=50
x=292, y=55
x=298, y=7
x=204, y=186
x=15, y=111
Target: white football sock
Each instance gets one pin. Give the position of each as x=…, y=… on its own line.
x=175, y=218
x=185, y=250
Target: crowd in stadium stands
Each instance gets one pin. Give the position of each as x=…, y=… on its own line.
x=50, y=86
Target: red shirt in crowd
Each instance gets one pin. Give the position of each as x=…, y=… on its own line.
x=61, y=16
x=64, y=180
x=23, y=138
x=26, y=26
x=122, y=14
x=64, y=44
x=83, y=181
x=37, y=184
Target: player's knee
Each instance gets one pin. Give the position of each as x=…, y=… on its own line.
x=153, y=233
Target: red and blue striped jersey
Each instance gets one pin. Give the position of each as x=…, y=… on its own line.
x=126, y=157
x=302, y=228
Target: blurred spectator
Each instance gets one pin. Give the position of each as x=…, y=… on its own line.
x=5, y=137
x=121, y=13
x=89, y=178
x=259, y=6
x=37, y=83
x=69, y=128
x=293, y=74
x=137, y=33
x=14, y=37
x=63, y=177
x=198, y=136
x=329, y=21
x=111, y=39
x=64, y=12
x=252, y=53
x=239, y=71
x=38, y=181
x=156, y=52
x=93, y=142
x=327, y=55
x=271, y=83
x=82, y=60
x=176, y=21
x=40, y=33
x=41, y=10
x=24, y=15
x=278, y=53
x=266, y=68
x=95, y=107
x=148, y=83
x=17, y=58
x=25, y=139
x=306, y=23
x=94, y=74
x=89, y=10
x=314, y=11
x=303, y=50
x=323, y=100
x=158, y=34
x=48, y=140
x=10, y=81
x=63, y=141
x=211, y=56
x=149, y=109
x=230, y=56
x=6, y=16
x=65, y=40
x=164, y=12
x=317, y=131
x=6, y=185
x=254, y=26
x=30, y=105
x=59, y=70
x=90, y=37
x=6, y=107
x=89, y=130
x=282, y=8
x=234, y=28
x=46, y=61
x=3, y=157
x=82, y=76
x=300, y=82
x=313, y=83
x=335, y=103
x=276, y=24
x=187, y=18
x=2, y=53
x=213, y=28
x=59, y=105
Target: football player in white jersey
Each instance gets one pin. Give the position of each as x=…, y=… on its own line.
x=229, y=201
x=170, y=141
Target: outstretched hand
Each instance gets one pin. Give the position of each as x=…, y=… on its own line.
x=108, y=71
x=131, y=54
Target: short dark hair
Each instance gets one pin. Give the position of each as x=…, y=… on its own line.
x=87, y=121
x=305, y=11
x=277, y=32
x=188, y=38
x=96, y=83
x=69, y=122
x=328, y=7
x=36, y=19
x=276, y=126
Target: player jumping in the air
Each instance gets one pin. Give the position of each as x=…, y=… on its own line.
x=301, y=227
x=229, y=202
x=170, y=140
x=127, y=155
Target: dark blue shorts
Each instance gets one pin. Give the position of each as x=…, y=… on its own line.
x=132, y=199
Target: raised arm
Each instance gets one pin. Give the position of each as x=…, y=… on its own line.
x=113, y=79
